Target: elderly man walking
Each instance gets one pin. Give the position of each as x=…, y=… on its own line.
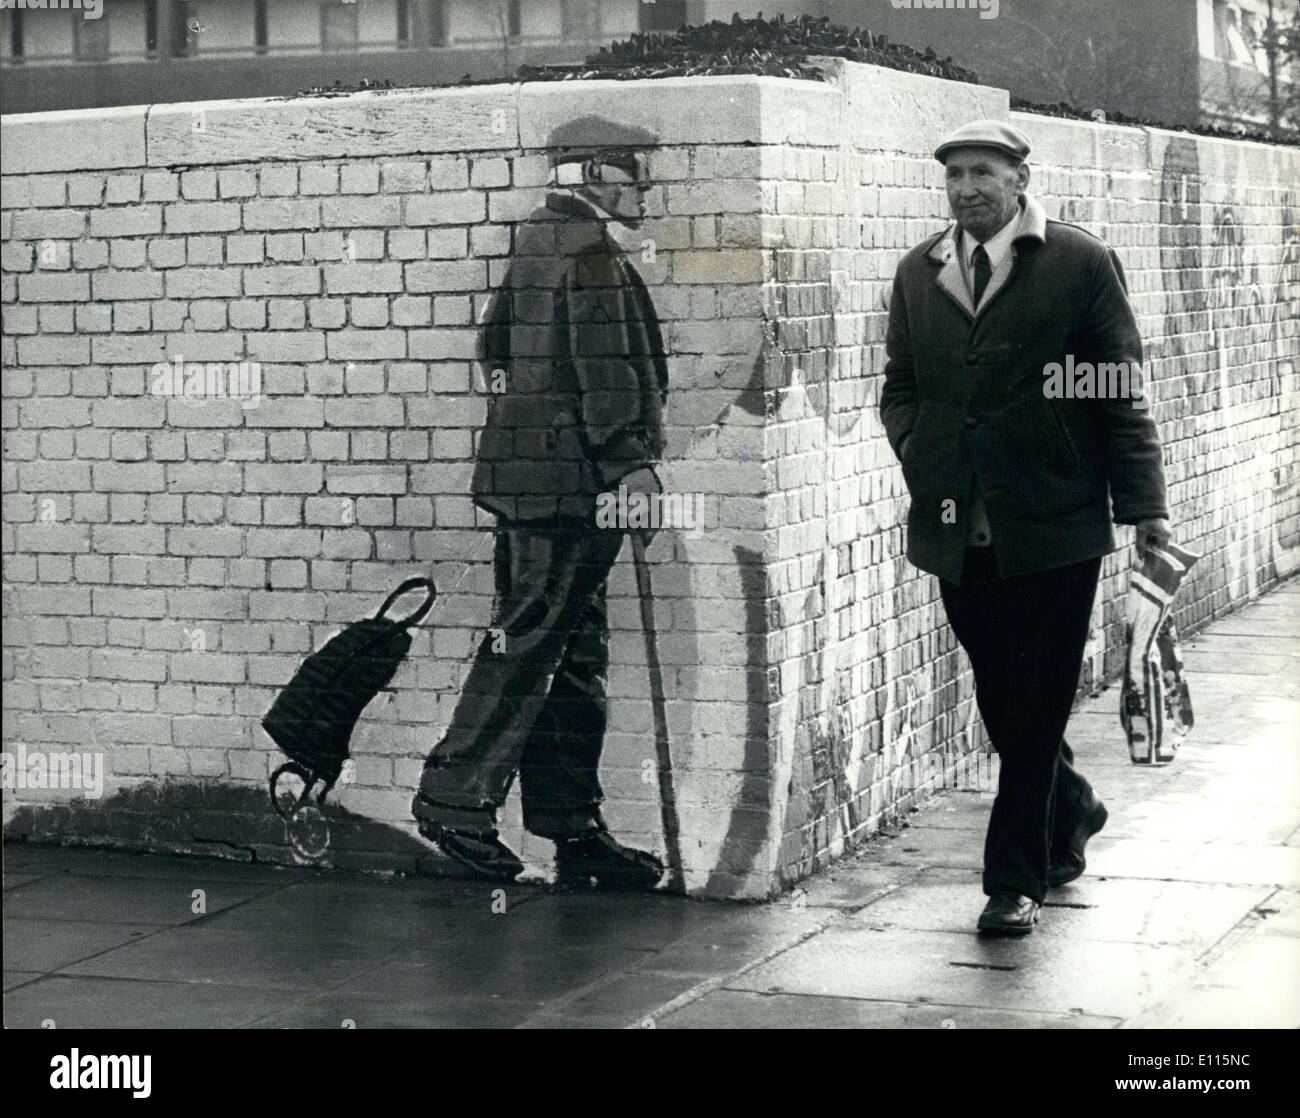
x=574, y=357
x=1012, y=486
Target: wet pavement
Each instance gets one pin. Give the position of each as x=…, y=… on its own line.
x=1189, y=914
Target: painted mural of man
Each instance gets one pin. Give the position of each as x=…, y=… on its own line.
x=1013, y=492
x=574, y=362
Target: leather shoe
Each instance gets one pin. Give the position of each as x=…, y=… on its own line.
x=1009, y=914
x=597, y=860
x=1070, y=864
x=483, y=852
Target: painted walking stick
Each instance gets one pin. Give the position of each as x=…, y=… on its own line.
x=667, y=799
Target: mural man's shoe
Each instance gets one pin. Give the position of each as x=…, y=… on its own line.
x=1070, y=864
x=598, y=860
x=483, y=851
x=1008, y=914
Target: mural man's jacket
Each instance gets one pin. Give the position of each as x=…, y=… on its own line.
x=580, y=406
x=964, y=405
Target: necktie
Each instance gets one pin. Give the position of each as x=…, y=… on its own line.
x=983, y=272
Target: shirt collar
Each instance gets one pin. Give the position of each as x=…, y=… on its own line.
x=997, y=245
x=1033, y=225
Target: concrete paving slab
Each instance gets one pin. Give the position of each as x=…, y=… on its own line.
x=1265, y=961
x=197, y=954
x=618, y=921
x=736, y=940
x=1212, y=1007
x=15, y=978
x=852, y=883
x=101, y=1003
x=1045, y=973
x=1256, y=624
x=524, y=973
x=952, y=810
x=626, y=1000
x=1232, y=694
x=396, y=1008
x=1190, y=915
x=392, y=911
x=937, y=847
x=47, y=945
x=1283, y=913
x=722, y=1008
x=1238, y=644
x=20, y=857
x=1267, y=824
x=1250, y=982
x=1201, y=662
x=1176, y=861
x=134, y=900
x=1238, y=789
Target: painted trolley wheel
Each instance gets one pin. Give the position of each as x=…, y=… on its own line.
x=307, y=828
x=309, y=832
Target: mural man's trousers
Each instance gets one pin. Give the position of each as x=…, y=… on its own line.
x=534, y=702
x=1025, y=637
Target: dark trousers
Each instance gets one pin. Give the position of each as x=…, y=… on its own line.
x=535, y=700
x=1025, y=637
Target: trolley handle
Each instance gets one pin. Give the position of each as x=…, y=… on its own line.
x=416, y=616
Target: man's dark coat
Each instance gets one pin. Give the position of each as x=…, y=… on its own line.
x=964, y=403
x=580, y=402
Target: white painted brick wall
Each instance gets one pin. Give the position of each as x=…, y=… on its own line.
x=350, y=245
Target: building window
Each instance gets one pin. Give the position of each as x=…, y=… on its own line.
x=1238, y=50
x=577, y=20
x=1254, y=30
x=437, y=17
x=151, y=28
x=338, y=26
x=403, y=23
x=259, y=26
x=90, y=37
x=16, y=34
x=183, y=42
x=663, y=15
x=514, y=19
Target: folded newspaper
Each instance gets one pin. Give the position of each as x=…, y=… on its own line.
x=1155, y=707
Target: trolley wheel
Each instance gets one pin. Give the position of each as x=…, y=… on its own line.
x=309, y=832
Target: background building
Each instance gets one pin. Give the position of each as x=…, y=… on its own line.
x=1178, y=61
x=144, y=51
x=1235, y=67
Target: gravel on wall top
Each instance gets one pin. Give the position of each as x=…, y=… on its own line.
x=776, y=47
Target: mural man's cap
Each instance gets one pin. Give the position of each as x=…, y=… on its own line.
x=594, y=137
x=985, y=134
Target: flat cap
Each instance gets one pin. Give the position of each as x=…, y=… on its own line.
x=985, y=134
x=592, y=135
